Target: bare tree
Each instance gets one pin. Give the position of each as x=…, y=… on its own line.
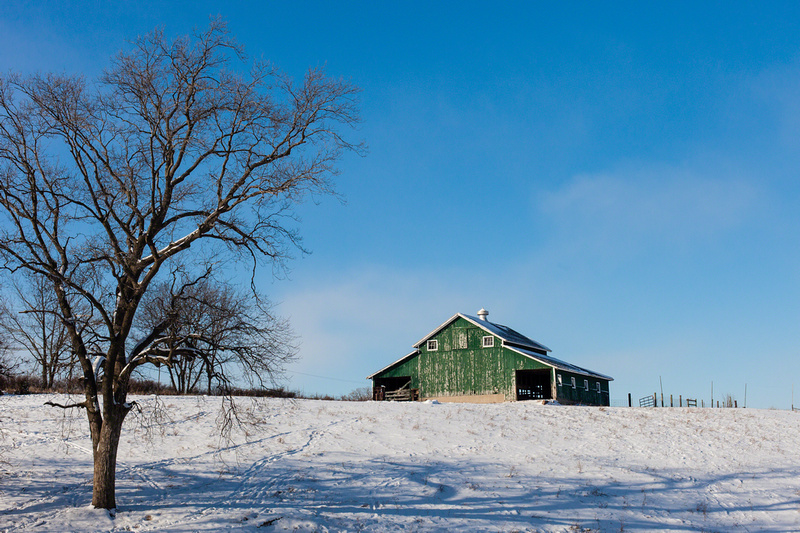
x=35, y=325
x=7, y=366
x=215, y=331
x=173, y=151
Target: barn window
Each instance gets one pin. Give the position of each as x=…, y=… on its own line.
x=559, y=380
x=598, y=387
x=433, y=345
x=586, y=384
x=573, y=382
x=488, y=342
x=461, y=340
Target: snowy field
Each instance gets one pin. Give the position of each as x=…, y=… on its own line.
x=337, y=466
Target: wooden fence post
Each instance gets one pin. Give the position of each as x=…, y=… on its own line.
x=630, y=404
x=670, y=401
x=655, y=400
x=680, y=400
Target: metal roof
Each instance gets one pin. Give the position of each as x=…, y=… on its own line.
x=409, y=356
x=558, y=364
x=505, y=333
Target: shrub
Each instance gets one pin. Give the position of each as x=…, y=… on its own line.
x=361, y=394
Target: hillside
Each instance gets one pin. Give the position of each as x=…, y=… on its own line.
x=340, y=466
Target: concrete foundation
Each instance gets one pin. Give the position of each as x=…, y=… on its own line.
x=470, y=398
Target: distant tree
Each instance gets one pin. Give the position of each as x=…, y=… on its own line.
x=361, y=394
x=171, y=153
x=7, y=365
x=35, y=325
x=214, y=332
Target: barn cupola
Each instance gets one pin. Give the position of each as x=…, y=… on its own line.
x=483, y=313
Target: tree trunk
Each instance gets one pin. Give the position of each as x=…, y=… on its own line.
x=105, y=461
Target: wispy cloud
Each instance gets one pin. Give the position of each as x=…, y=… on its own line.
x=642, y=207
x=360, y=320
x=363, y=319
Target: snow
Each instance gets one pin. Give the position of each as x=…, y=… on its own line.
x=347, y=466
x=97, y=365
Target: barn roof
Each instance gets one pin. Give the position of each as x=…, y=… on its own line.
x=557, y=363
x=387, y=367
x=508, y=335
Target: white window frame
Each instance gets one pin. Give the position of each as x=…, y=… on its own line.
x=560, y=382
x=433, y=345
x=572, y=379
x=586, y=384
x=488, y=341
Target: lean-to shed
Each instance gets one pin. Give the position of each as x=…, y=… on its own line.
x=470, y=359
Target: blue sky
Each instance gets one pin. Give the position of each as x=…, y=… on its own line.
x=617, y=181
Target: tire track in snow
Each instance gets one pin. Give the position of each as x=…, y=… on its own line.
x=48, y=496
x=54, y=495
x=249, y=491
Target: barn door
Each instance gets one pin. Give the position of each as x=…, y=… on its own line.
x=534, y=384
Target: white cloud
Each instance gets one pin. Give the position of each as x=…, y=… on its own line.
x=775, y=92
x=637, y=207
x=363, y=320
x=358, y=321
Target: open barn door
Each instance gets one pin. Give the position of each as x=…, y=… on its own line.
x=534, y=384
x=396, y=388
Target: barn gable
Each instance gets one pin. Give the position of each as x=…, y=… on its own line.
x=468, y=358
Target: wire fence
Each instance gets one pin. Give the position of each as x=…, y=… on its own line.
x=669, y=400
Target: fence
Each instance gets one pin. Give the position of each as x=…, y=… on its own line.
x=653, y=401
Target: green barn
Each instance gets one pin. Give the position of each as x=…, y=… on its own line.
x=469, y=359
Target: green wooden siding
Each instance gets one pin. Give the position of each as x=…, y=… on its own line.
x=456, y=368
x=409, y=368
x=566, y=394
x=474, y=370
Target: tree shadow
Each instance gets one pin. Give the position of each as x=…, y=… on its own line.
x=343, y=490
x=336, y=490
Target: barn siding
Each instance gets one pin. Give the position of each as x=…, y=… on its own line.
x=452, y=370
x=566, y=394
x=409, y=367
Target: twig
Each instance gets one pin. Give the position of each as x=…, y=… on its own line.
x=81, y=405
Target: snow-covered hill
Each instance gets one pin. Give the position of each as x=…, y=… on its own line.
x=339, y=466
